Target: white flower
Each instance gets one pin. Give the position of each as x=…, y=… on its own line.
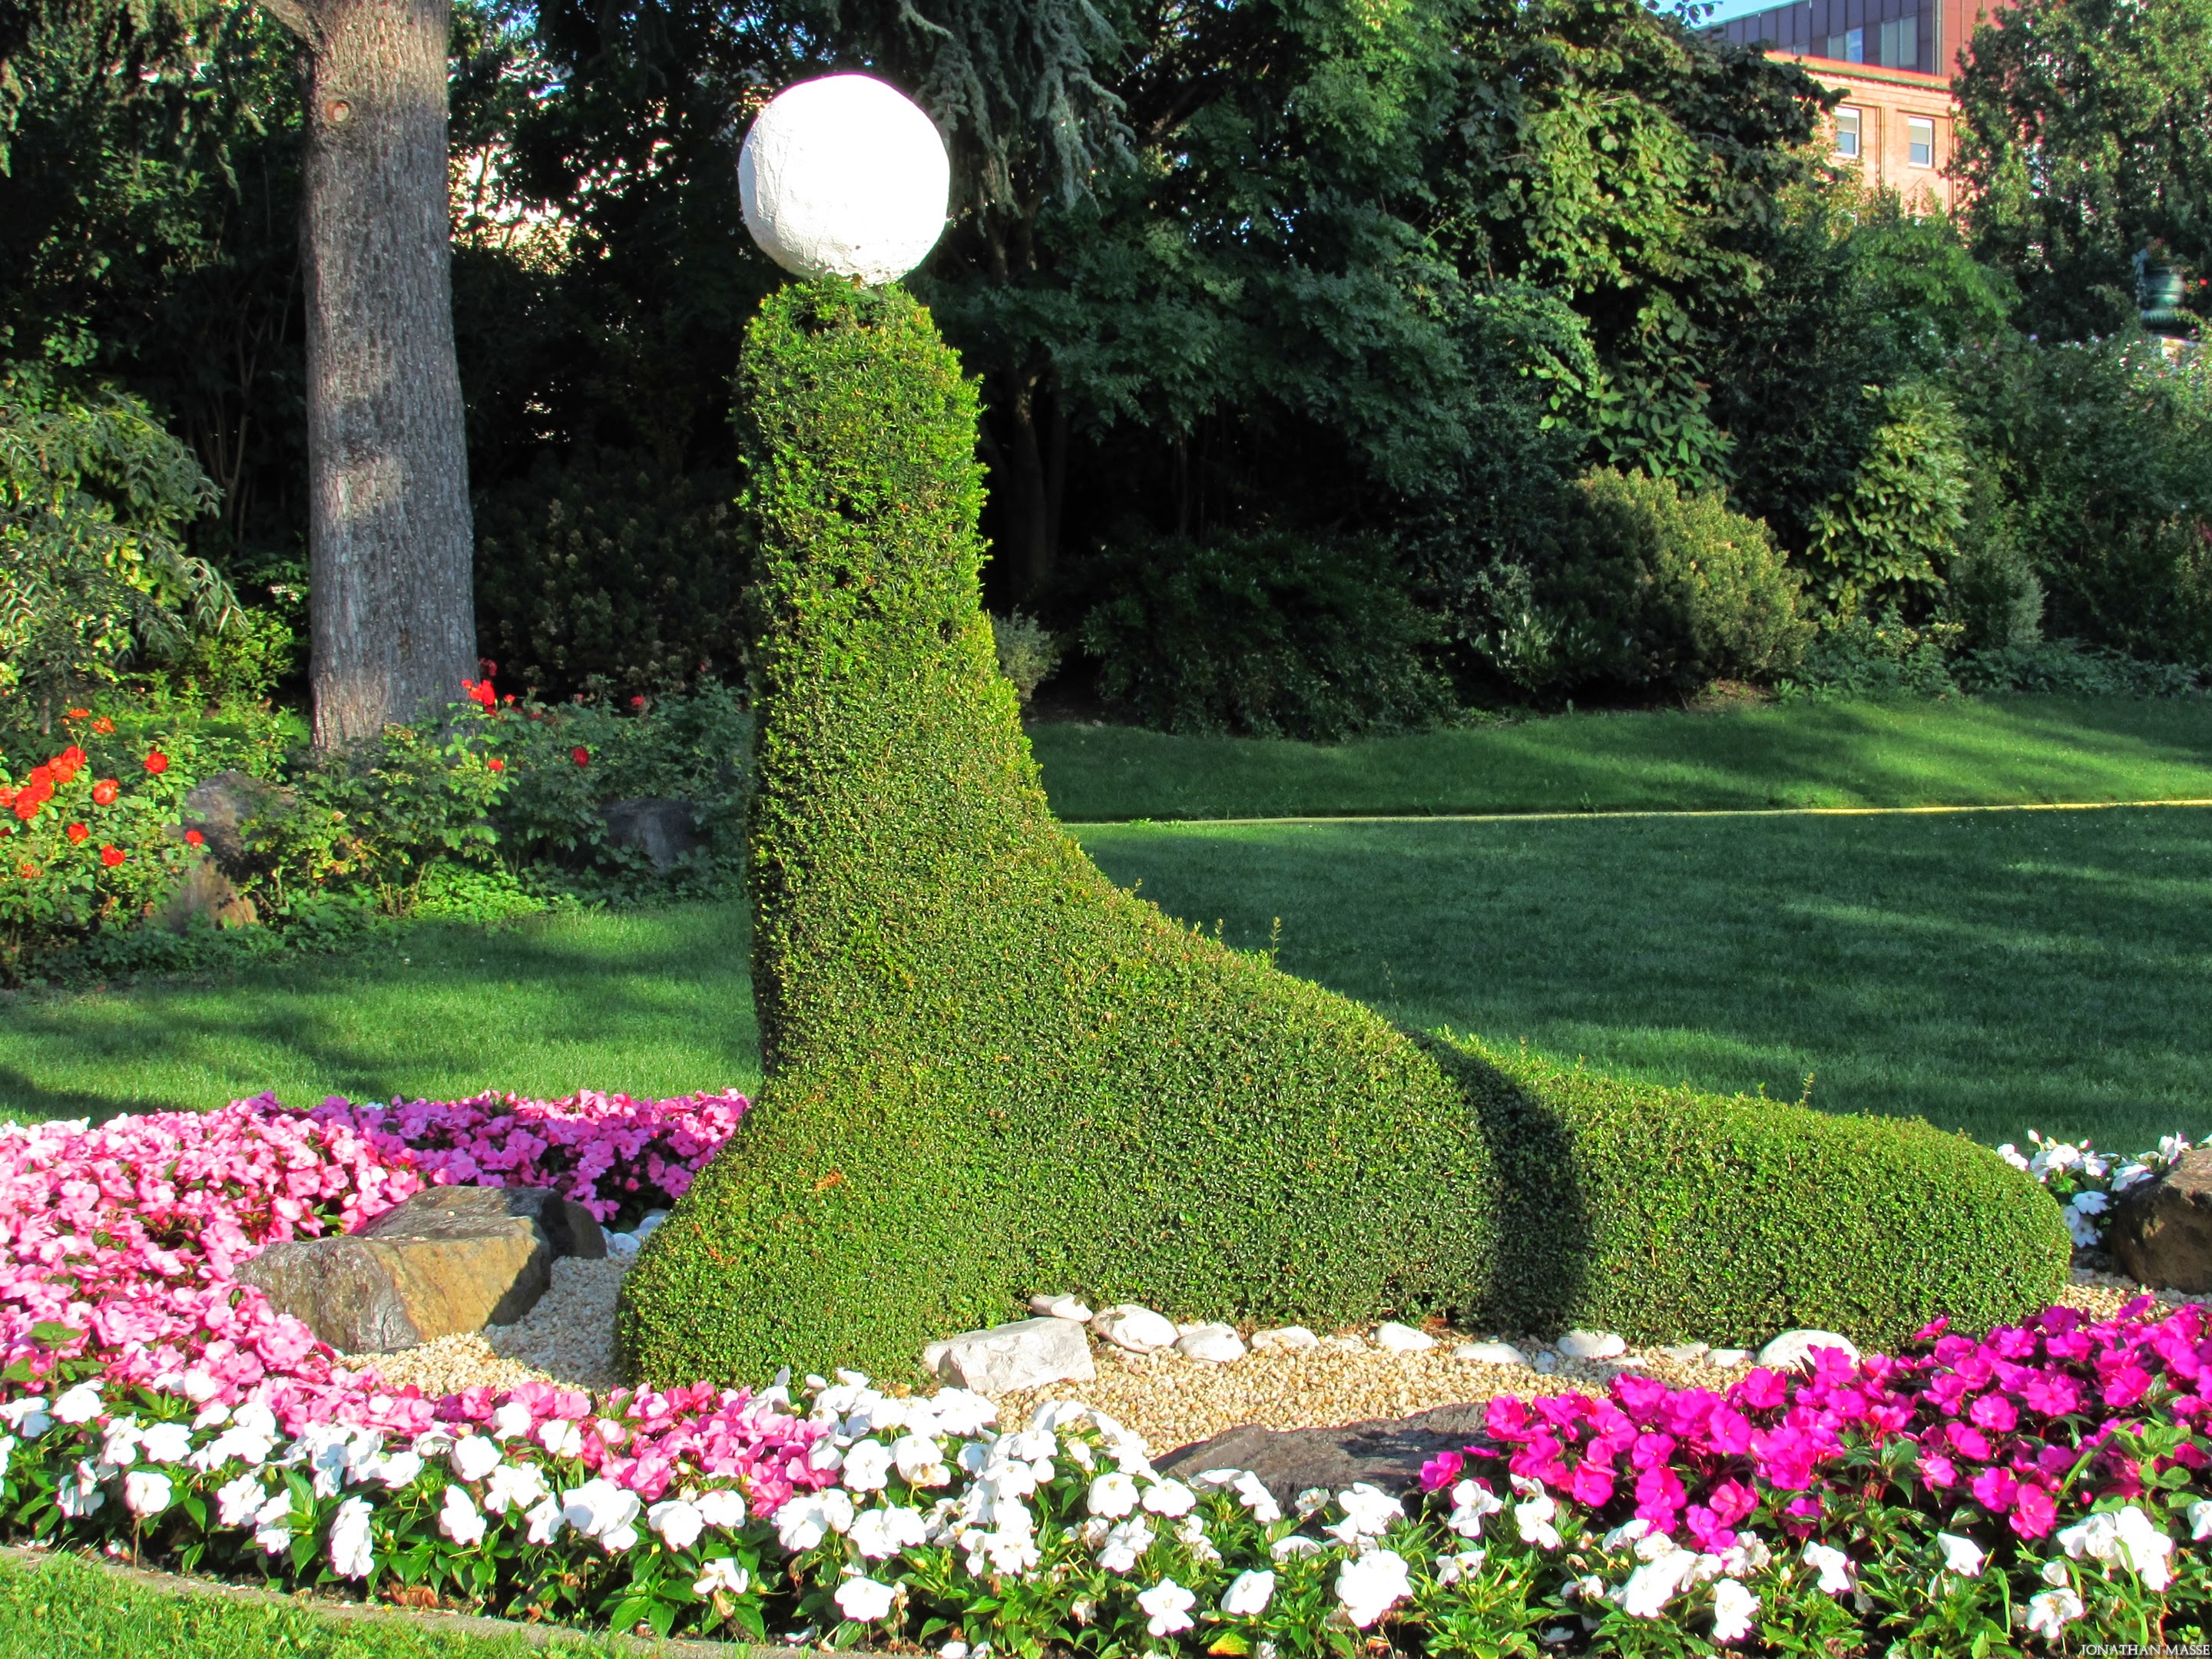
x=1457, y=1569
x=509, y=1420
x=867, y=1466
x=2126, y=1537
x=1124, y=1542
x=1294, y=1547
x=79, y=1494
x=351, y=1556
x=2010, y=1154
x=2130, y=1174
x=459, y=1520
x=864, y=1600
x=725, y=1506
x=1170, y=1498
x=398, y=1469
x=80, y=1404
x=881, y=1534
x=2091, y=1202
x=2080, y=1228
x=1368, y=1513
x=805, y=1520
x=119, y=1445
x=2055, y=1573
x=236, y=1502
x=1961, y=1555
x=722, y=1575
x=1167, y=1608
x=1832, y=1563
x=1628, y=1532
x=474, y=1456
x=546, y=1519
x=1248, y=1595
x=1733, y=1606
x=561, y=1438
x=145, y=1493
x=599, y=1508
x=1471, y=1502
x=1663, y=1575
x=2051, y=1612
x=1113, y=1495
x=920, y=1460
x=1749, y=1554
x=2200, y=1519
x=514, y=1486
x=165, y=1442
x=272, y=1523
x=1534, y=1518
x=1370, y=1586
x=678, y=1522
x=1252, y=1492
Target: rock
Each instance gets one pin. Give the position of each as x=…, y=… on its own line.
x=204, y=893
x=1386, y=1453
x=1219, y=1343
x=409, y=1279
x=2161, y=1230
x=1283, y=1339
x=648, y=1224
x=1060, y=1307
x=1490, y=1353
x=1593, y=1345
x=1546, y=1361
x=1685, y=1354
x=224, y=807
x=1728, y=1359
x=1027, y=1353
x=1794, y=1348
x=569, y=1228
x=623, y=1246
x=1139, y=1330
x=666, y=831
x=1393, y=1338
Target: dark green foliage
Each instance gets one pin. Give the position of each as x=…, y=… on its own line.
x=1655, y=1212
x=1653, y=589
x=614, y=572
x=1888, y=536
x=990, y=1071
x=1267, y=635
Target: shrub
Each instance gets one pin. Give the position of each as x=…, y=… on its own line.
x=609, y=571
x=1861, y=657
x=1271, y=635
x=1657, y=1211
x=1028, y=655
x=1889, y=536
x=993, y=1073
x=990, y=1071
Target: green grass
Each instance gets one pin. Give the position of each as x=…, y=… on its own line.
x=62, y=1608
x=1980, y=752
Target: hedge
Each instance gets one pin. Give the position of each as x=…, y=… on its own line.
x=990, y=1072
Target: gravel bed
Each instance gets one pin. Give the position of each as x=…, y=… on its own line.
x=568, y=1337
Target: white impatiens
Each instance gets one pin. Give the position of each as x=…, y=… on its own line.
x=808, y=1518
x=1248, y=1595
x=1372, y=1585
x=1832, y=1565
x=1167, y=1608
x=2051, y=1611
x=474, y=1456
x=600, y=1509
x=459, y=1519
x=678, y=1522
x=1961, y=1555
x=147, y=1493
x=2125, y=1538
x=881, y=1533
x=722, y=1577
x=1113, y=1494
x=1733, y=1607
x=1472, y=1502
x=1368, y=1513
x=352, y=1551
x=1534, y=1517
x=864, y=1600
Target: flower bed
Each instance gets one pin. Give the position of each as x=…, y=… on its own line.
x=2085, y=1181
x=2042, y=1484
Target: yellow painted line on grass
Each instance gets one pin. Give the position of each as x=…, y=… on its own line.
x=1652, y=812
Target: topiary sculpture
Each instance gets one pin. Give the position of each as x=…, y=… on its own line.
x=991, y=1072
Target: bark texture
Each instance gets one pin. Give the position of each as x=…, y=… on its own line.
x=389, y=538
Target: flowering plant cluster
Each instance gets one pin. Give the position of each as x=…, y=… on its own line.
x=2085, y=1181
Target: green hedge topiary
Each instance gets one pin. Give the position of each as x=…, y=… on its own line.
x=991, y=1072
x=1664, y=1214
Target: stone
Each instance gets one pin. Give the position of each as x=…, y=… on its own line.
x=569, y=1228
x=1393, y=1338
x=1490, y=1353
x=1283, y=1339
x=224, y=806
x=1060, y=1307
x=437, y=1271
x=1728, y=1359
x=1685, y=1354
x=1546, y=1361
x=1219, y=1343
x=204, y=893
x=665, y=831
x=1029, y=1354
x=1139, y=1330
x=1386, y=1453
x=844, y=176
x=2161, y=1230
x=1794, y=1348
x=1593, y=1345
x=648, y=1224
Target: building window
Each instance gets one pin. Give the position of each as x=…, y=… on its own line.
x=1901, y=43
x=1847, y=130
x=1849, y=47
x=1920, y=140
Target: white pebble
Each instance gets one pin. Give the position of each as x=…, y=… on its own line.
x=1060, y=1307
x=648, y=1225
x=1490, y=1353
x=1394, y=1338
x=1284, y=1339
x=622, y=1246
x=1685, y=1354
x=1593, y=1345
x=1728, y=1359
x=1138, y=1330
x=1217, y=1343
x=1547, y=1361
x=1795, y=1348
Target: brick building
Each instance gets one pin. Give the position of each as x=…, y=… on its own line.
x=1892, y=60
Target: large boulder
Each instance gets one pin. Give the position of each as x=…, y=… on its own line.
x=665, y=831
x=224, y=806
x=2162, y=1231
x=1029, y=1354
x=569, y=1228
x=1386, y=1453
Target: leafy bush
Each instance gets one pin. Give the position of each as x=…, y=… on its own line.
x=1028, y=655
x=1888, y=536
x=613, y=572
x=991, y=1072
x=1771, y=1215
x=2063, y=669
x=1272, y=634
x=1652, y=588
x=1861, y=657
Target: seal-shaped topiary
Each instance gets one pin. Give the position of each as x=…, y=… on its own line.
x=990, y=1072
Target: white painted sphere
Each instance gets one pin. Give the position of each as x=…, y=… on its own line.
x=846, y=177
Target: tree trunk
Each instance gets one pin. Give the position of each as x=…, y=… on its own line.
x=390, y=541
x=1034, y=464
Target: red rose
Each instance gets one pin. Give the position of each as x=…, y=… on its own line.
x=27, y=870
x=637, y=702
x=104, y=725
x=193, y=838
x=157, y=763
x=77, y=834
x=581, y=757
x=75, y=714
x=110, y=856
x=496, y=764
x=480, y=691
x=105, y=792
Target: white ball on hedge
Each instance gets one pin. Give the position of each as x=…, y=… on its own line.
x=844, y=177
